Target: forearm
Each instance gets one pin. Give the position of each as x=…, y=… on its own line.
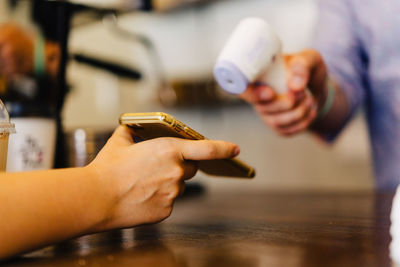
x=337, y=114
x=40, y=208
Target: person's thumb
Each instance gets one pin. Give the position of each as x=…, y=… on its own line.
x=298, y=73
x=304, y=67
x=122, y=136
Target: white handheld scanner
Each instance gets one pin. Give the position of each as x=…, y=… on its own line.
x=253, y=53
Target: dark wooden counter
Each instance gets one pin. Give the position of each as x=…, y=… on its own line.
x=243, y=229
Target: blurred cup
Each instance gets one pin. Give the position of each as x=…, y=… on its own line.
x=5, y=129
x=33, y=147
x=394, y=248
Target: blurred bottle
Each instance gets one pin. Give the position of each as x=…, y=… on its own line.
x=3, y=85
x=32, y=148
x=31, y=108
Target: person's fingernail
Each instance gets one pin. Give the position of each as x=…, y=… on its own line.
x=309, y=102
x=314, y=106
x=297, y=68
x=265, y=95
x=297, y=81
x=258, y=83
x=236, y=151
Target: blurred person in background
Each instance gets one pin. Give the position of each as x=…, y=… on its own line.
x=36, y=51
x=18, y=49
x=355, y=61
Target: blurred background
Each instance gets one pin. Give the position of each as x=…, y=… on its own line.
x=142, y=56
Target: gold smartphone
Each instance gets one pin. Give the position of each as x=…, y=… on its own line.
x=157, y=124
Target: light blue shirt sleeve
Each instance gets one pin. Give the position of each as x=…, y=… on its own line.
x=336, y=39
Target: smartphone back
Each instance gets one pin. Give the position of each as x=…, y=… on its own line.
x=147, y=126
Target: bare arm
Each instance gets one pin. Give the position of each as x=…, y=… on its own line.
x=43, y=207
x=335, y=117
x=126, y=185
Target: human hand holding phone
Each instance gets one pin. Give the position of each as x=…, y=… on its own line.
x=145, y=178
x=145, y=126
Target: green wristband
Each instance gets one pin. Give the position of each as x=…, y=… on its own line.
x=39, y=62
x=328, y=102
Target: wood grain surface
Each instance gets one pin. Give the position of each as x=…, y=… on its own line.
x=242, y=229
